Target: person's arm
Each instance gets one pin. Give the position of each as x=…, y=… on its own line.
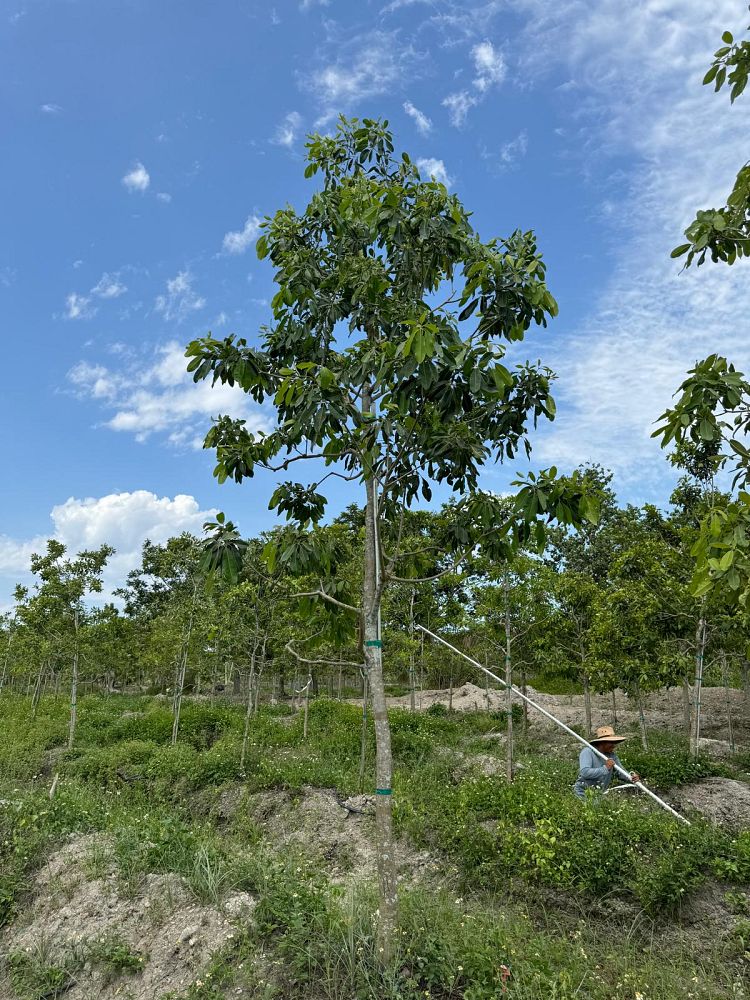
x=633, y=776
x=590, y=766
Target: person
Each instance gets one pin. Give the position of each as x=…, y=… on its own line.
x=593, y=772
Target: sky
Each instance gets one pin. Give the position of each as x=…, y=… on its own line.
x=145, y=140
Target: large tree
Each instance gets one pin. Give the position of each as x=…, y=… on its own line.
x=384, y=362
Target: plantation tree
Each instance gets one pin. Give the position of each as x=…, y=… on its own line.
x=62, y=588
x=384, y=365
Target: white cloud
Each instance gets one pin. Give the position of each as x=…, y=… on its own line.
x=180, y=300
x=511, y=152
x=50, y=109
x=638, y=69
x=137, y=179
x=160, y=398
x=423, y=123
x=109, y=286
x=368, y=67
x=459, y=105
x=309, y=4
x=287, y=132
x=164, y=196
x=238, y=242
x=489, y=64
x=436, y=169
x=123, y=520
x=79, y=307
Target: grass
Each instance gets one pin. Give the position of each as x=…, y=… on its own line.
x=529, y=861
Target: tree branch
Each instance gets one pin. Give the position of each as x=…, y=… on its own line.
x=328, y=597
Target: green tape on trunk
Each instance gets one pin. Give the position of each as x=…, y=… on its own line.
x=374, y=642
x=382, y=791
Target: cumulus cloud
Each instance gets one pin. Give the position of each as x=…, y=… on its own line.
x=180, y=299
x=160, y=398
x=288, y=130
x=50, y=109
x=489, y=65
x=163, y=196
x=435, y=169
x=423, y=123
x=109, y=286
x=137, y=179
x=79, y=306
x=239, y=241
x=490, y=69
x=368, y=66
x=459, y=105
x=123, y=520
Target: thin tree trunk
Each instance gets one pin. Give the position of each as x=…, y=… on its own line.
x=6, y=659
x=260, y=674
x=450, y=690
x=525, y=717
x=74, y=686
x=341, y=672
x=363, y=740
x=587, y=702
x=38, y=688
x=614, y=707
x=508, y=690
x=686, y=706
x=641, y=717
x=248, y=707
x=725, y=682
x=486, y=683
x=307, y=706
x=700, y=649
x=181, y=668
x=371, y=598
x=412, y=672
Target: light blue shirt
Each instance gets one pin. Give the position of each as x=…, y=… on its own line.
x=592, y=772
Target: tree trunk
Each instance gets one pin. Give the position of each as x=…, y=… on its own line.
x=74, y=685
x=508, y=690
x=341, y=672
x=37, y=688
x=307, y=706
x=614, y=707
x=363, y=739
x=412, y=672
x=686, y=706
x=6, y=659
x=525, y=717
x=725, y=682
x=248, y=707
x=486, y=684
x=641, y=717
x=371, y=598
x=700, y=649
x=181, y=668
x=587, y=702
x=450, y=691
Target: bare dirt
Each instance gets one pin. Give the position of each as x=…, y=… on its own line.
x=721, y=800
x=663, y=709
x=337, y=832
x=174, y=933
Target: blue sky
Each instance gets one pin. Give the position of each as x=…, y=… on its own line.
x=145, y=139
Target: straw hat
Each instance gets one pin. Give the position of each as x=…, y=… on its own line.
x=606, y=734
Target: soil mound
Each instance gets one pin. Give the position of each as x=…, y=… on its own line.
x=163, y=925
x=721, y=800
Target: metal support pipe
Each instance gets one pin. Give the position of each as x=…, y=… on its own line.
x=620, y=770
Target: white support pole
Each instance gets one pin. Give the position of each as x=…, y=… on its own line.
x=620, y=770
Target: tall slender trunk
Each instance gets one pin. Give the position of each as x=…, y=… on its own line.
x=450, y=690
x=525, y=716
x=700, y=650
x=486, y=684
x=412, y=672
x=587, y=702
x=614, y=707
x=307, y=706
x=508, y=689
x=363, y=734
x=641, y=716
x=341, y=672
x=6, y=659
x=727, y=700
x=686, y=706
x=181, y=668
x=74, y=684
x=373, y=656
x=248, y=706
x=38, y=687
